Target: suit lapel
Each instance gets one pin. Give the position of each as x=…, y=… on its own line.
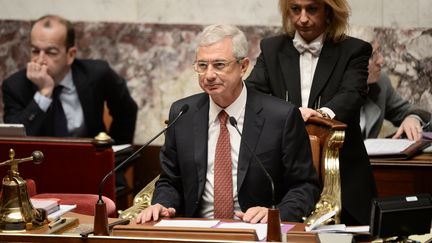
x=200, y=135
x=85, y=96
x=290, y=66
x=373, y=112
x=327, y=61
x=252, y=128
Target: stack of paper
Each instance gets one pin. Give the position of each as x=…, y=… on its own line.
x=49, y=204
x=52, y=206
x=383, y=146
x=394, y=148
x=63, y=209
x=320, y=221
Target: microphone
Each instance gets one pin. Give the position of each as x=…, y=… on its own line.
x=273, y=221
x=101, y=218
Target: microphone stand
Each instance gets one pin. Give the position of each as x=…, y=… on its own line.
x=274, y=233
x=273, y=216
x=101, y=217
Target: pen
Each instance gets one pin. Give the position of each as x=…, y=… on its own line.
x=56, y=223
x=426, y=125
x=110, y=226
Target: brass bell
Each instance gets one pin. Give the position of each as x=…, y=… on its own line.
x=16, y=211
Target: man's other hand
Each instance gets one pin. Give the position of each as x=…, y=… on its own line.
x=308, y=112
x=411, y=127
x=154, y=212
x=253, y=215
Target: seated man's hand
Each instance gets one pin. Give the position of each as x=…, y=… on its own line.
x=253, y=215
x=38, y=74
x=308, y=112
x=154, y=212
x=411, y=127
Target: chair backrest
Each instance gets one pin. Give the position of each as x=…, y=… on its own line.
x=141, y=201
x=326, y=138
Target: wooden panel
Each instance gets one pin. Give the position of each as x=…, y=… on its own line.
x=69, y=165
x=146, y=167
x=296, y=234
x=403, y=177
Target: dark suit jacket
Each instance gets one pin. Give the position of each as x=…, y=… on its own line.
x=277, y=135
x=385, y=103
x=339, y=83
x=95, y=82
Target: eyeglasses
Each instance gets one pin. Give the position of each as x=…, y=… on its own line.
x=219, y=66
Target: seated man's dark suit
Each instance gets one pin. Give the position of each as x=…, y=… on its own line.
x=95, y=82
x=277, y=135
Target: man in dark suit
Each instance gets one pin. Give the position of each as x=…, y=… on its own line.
x=275, y=131
x=82, y=87
x=318, y=68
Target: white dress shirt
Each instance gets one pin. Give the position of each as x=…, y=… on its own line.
x=236, y=110
x=308, y=63
x=71, y=106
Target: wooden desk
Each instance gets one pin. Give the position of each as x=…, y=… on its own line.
x=295, y=235
x=403, y=177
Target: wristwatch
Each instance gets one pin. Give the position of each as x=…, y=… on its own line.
x=323, y=113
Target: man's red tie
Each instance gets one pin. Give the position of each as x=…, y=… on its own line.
x=223, y=186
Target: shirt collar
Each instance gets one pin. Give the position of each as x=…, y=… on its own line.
x=67, y=81
x=319, y=40
x=235, y=109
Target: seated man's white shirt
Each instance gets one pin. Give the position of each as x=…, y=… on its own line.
x=236, y=110
x=71, y=105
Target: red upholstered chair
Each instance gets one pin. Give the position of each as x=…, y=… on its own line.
x=85, y=202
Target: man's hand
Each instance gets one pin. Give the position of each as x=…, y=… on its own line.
x=308, y=112
x=38, y=74
x=411, y=127
x=154, y=212
x=254, y=215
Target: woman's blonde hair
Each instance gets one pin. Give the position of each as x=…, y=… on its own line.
x=338, y=12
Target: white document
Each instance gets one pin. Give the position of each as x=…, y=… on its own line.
x=319, y=221
x=342, y=228
x=358, y=229
x=383, y=146
x=428, y=149
x=329, y=228
x=260, y=229
x=188, y=223
x=117, y=148
x=335, y=238
x=63, y=209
